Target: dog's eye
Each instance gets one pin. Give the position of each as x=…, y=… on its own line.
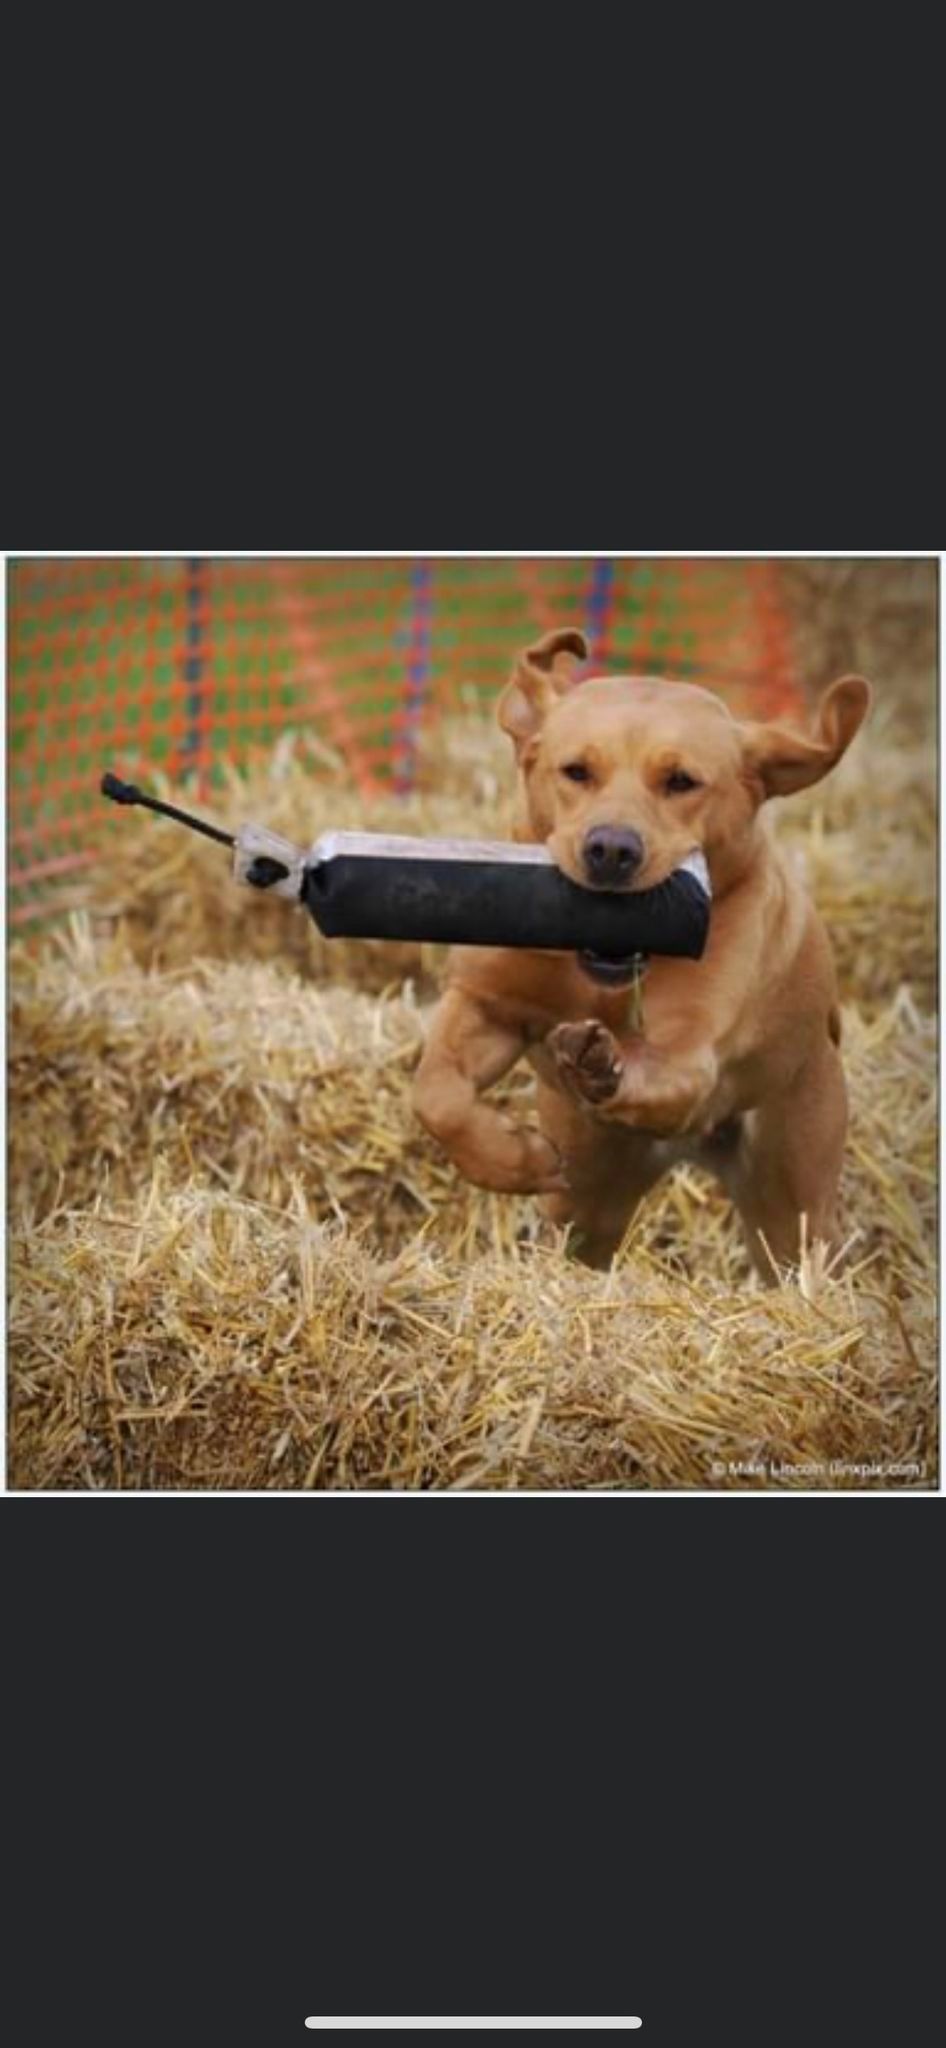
x=576, y=771
x=680, y=781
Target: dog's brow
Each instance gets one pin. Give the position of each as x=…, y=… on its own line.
x=664, y=759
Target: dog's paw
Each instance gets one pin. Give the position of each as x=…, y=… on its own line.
x=589, y=1059
x=533, y=1165
x=547, y=1170
x=519, y=1161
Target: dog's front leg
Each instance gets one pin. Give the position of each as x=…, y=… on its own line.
x=468, y=1049
x=662, y=1089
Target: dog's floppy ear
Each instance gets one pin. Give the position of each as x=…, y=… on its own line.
x=783, y=761
x=540, y=675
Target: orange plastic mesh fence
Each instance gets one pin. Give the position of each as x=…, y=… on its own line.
x=135, y=664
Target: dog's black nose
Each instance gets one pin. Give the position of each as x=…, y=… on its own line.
x=613, y=853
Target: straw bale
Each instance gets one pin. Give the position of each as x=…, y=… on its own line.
x=194, y=1339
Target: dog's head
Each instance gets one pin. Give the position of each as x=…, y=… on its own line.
x=623, y=776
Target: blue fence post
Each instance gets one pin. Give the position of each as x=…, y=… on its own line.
x=599, y=607
x=419, y=666
x=195, y=659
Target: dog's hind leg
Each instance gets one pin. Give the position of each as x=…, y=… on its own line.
x=788, y=1166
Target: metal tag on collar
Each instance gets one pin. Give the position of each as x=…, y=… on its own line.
x=635, y=1001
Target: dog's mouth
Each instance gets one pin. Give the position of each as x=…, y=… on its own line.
x=609, y=970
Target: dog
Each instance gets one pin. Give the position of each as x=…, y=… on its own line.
x=738, y=1067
